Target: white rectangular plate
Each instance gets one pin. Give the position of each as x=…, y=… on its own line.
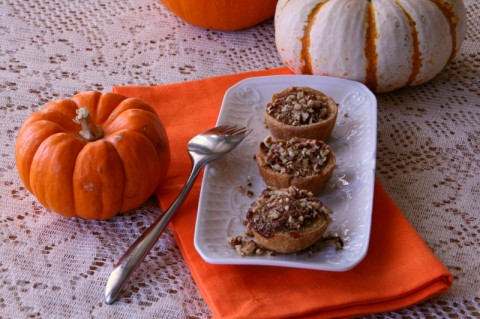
x=349, y=193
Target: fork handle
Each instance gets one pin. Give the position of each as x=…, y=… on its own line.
x=140, y=248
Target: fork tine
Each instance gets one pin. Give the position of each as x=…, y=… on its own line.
x=242, y=131
x=231, y=127
x=225, y=129
x=234, y=129
x=222, y=127
x=239, y=131
x=228, y=129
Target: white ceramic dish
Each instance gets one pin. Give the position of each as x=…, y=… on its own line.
x=349, y=193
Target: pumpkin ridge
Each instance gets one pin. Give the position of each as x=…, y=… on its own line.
x=52, y=116
x=370, y=49
x=72, y=185
x=107, y=103
x=108, y=138
x=152, y=130
x=122, y=165
x=21, y=149
x=127, y=104
x=416, y=55
x=109, y=158
x=53, y=197
x=129, y=201
x=113, y=135
x=63, y=106
x=452, y=20
x=305, y=55
x=116, y=123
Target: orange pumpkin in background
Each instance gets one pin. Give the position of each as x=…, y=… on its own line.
x=222, y=15
x=92, y=156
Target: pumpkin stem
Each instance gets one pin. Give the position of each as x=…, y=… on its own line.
x=89, y=131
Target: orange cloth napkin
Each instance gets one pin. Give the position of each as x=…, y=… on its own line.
x=398, y=271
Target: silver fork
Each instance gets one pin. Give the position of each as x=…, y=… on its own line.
x=203, y=148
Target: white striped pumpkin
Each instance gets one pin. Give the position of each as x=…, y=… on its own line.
x=386, y=44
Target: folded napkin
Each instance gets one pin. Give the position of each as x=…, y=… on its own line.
x=398, y=271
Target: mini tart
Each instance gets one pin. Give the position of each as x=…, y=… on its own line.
x=301, y=112
x=303, y=163
x=287, y=220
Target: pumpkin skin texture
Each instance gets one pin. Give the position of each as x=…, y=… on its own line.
x=222, y=15
x=96, y=179
x=386, y=44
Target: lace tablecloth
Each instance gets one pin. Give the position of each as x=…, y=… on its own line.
x=52, y=267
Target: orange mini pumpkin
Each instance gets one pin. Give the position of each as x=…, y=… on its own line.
x=223, y=15
x=94, y=155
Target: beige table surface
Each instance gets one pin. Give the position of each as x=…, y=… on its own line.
x=428, y=156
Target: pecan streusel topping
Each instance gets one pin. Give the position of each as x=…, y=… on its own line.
x=297, y=157
x=299, y=108
x=287, y=209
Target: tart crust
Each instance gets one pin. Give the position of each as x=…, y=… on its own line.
x=320, y=130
